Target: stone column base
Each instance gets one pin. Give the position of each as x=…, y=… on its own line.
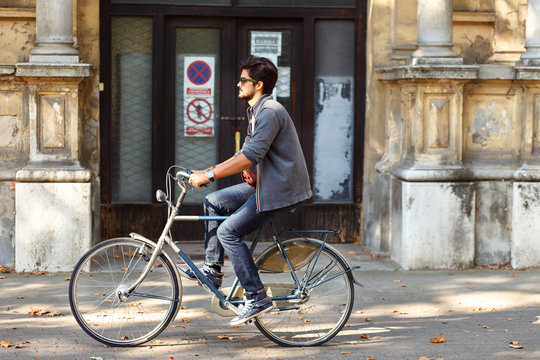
x=53, y=225
x=433, y=224
x=525, y=225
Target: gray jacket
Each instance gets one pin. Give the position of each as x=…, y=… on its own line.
x=282, y=175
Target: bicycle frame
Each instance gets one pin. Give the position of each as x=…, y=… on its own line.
x=225, y=300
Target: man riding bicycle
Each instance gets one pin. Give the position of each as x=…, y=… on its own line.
x=272, y=145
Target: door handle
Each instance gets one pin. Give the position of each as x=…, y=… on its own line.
x=236, y=141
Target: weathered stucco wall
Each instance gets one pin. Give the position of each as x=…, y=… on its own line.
x=88, y=46
x=376, y=222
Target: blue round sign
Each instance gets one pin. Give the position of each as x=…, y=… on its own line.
x=199, y=72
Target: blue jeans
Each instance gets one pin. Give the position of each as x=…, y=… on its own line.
x=239, y=203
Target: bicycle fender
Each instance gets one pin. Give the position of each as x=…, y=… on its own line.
x=272, y=250
x=340, y=255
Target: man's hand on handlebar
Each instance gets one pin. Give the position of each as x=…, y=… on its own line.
x=199, y=179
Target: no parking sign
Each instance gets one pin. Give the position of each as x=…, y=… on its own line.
x=199, y=95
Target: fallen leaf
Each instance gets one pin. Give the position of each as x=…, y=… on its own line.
x=185, y=320
x=485, y=327
x=437, y=341
x=38, y=312
x=35, y=272
x=170, y=358
x=345, y=353
x=67, y=278
x=5, y=344
x=516, y=345
x=367, y=320
x=8, y=270
x=227, y=337
x=364, y=336
x=370, y=358
x=124, y=338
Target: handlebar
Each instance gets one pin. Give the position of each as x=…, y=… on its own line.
x=183, y=175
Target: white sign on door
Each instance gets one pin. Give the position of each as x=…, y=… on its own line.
x=199, y=82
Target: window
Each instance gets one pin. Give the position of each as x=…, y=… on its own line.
x=334, y=111
x=131, y=120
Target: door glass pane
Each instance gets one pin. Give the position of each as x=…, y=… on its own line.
x=334, y=112
x=197, y=101
x=276, y=46
x=131, y=118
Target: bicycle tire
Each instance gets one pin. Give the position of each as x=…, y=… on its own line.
x=326, y=309
x=103, y=270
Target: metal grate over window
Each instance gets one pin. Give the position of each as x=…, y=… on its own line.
x=131, y=120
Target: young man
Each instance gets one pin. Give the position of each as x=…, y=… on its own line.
x=282, y=181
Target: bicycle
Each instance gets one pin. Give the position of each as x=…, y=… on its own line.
x=125, y=291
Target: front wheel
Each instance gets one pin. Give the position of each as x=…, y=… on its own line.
x=326, y=289
x=98, y=281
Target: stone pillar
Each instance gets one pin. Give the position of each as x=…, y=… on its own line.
x=53, y=192
x=54, y=33
x=435, y=34
x=531, y=57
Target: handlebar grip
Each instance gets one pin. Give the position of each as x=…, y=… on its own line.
x=183, y=174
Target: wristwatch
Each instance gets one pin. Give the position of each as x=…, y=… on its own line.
x=210, y=174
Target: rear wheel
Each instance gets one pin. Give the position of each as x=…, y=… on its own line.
x=107, y=270
x=325, y=304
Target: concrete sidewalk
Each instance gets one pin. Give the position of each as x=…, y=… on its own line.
x=481, y=313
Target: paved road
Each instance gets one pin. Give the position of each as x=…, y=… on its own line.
x=481, y=313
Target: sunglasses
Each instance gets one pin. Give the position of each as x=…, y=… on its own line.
x=243, y=80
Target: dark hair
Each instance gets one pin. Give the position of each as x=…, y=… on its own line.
x=261, y=69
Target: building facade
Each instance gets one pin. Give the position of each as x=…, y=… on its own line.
x=451, y=161
x=418, y=119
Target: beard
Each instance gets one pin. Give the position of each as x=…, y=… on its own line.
x=245, y=96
